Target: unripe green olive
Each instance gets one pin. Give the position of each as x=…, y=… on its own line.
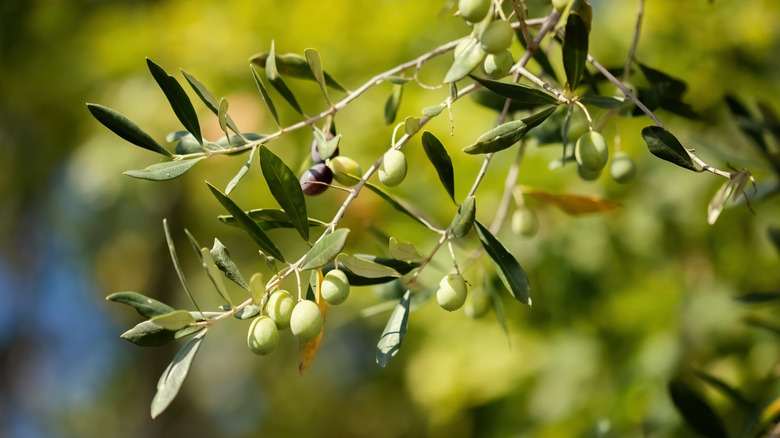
x=306, y=320
x=393, y=168
x=524, y=222
x=588, y=175
x=474, y=10
x=279, y=308
x=496, y=37
x=591, y=151
x=452, y=292
x=623, y=168
x=560, y=5
x=477, y=303
x=342, y=167
x=497, y=66
x=335, y=287
x=263, y=336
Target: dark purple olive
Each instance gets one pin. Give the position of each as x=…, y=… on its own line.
x=315, y=154
x=311, y=179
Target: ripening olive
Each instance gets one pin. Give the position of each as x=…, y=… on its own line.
x=452, y=292
x=474, y=10
x=263, y=337
x=497, y=66
x=306, y=320
x=316, y=180
x=393, y=168
x=477, y=303
x=496, y=37
x=524, y=222
x=279, y=308
x=335, y=287
x=623, y=168
x=342, y=167
x=591, y=152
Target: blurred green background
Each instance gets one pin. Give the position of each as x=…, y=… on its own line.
x=623, y=301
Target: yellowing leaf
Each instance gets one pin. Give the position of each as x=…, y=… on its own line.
x=308, y=349
x=574, y=205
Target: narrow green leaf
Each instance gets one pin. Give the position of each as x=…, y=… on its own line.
x=393, y=334
x=222, y=259
x=324, y=251
x=510, y=271
x=222, y=116
x=432, y=111
x=464, y=219
x=241, y=173
x=276, y=81
x=605, y=102
x=178, y=99
x=173, y=377
x=145, y=306
x=187, y=331
x=266, y=98
x=404, y=251
x=366, y=268
x=496, y=303
x=507, y=134
x=757, y=297
x=467, y=60
x=296, y=66
x=774, y=236
x=393, y=103
x=213, y=273
x=496, y=102
x=174, y=320
x=326, y=148
x=696, y=411
x=164, y=171
x=525, y=95
x=175, y=260
x=248, y=312
x=208, y=99
x=575, y=49
x=148, y=334
x=665, y=146
x=441, y=161
x=286, y=189
x=257, y=234
x=729, y=391
x=269, y=218
x=400, y=266
x=315, y=64
x=123, y=127
x=396, y=204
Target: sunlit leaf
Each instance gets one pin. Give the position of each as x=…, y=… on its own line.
x=173, y=320
x=400, y=266
x=729, y=391
x=286, y=189
x=696, y=411
x=123, y=127
x=525, y=95
x=507, y=134
x=178, y=99
x=276, y=81
x=509, y=269
x=393, y=334
x=294, y=65
x=467, y=60
x=441, y=161
x=393, y=103
x=575, y=49
x=208, y=99
x=325, y=250
x=432, y=111
x=366, y=268
x=145, y=306
x=404, y=250
x=574, y=205
x=173, y=377
x=250, y=226
x=225, y=264
x=148, y=334
x=164, y=171
x=665, y=146
x=315, y=64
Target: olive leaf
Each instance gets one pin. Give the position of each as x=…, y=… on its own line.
x=325, y=250
x=393, y=334
x=164, y=171
x=177, y=98
x=366, y=268
x=326, y=148
x=175, y=320
x=393, y=202
x=266, y=98
x=404, y=251
x=286, y=189
x=696, y=411
x=268, y=219
x=605, y=102
x=241, y=173
x=393, y=103
x=467, y=60
x=296, y=66
x=464, y=217
x=665, y=146
x=400, y=266
x=575, y=49
x=276, y=81
x=315, y=64
x=524, y=95
x=507, y=134
x=145, y=306
x=729, y=391
x=432, y=111
x=441, y=161
x=511, y=273
x=173, y=377
x=494, y=101
x=222, y=259
x=148, y=334
x=209, y=100
x=126, y=129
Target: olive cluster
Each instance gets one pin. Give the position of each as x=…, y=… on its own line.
x=303, y=318
x=318, y=177
x=490, y=37
x=591, y=154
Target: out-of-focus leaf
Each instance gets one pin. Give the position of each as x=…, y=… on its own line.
x=507, y=134
x=175, y=259
x=404, y=250
x=392, y=201
x=496, y=102
x=178, y=99
x=208, y=99
x=308, y=349
x=268, y=219
x=464, y=218
x=432, y=111
x=774, y=235
x=729, y=391
x=173, y=321
x=324, y=251
x=164, y=171
x=173, y=377
x=276, y=81
x=148, y=334
x=315, y=64
x=225, y=264
x=266, y=98
x=539, y=56
x=575, y=49
x=393, y=103
x=294, y=65
x=574, y=205
x=757, y=297
x=286, y=189
x=467, y=60
x=696, y=411
x=496, y=303
x=509, y=269
x=411, y=125
x=605, y=102
x=762, y=323
x=145, y=306
x=399, y=266
x=398, y=80
x=393, y=334
x=366, y=268
x=733, y=188
x=250, y=226
x=525, y=95
x=665, y=146
x=123, y=127
x=441, y=161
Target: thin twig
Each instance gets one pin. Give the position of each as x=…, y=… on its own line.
x=632, y=52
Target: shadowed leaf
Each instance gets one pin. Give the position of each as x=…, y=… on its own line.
x=509, y=270
x=575, y=49
x=696, y=411
x=123, y=127
x=665, y=146
x=286, y=189
x=524, y=95
x=177, y=98
x=441, y=161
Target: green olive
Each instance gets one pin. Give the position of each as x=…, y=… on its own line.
x=524, y=222
x=263, y=336
x=306, y=320
x=335, y=287
x=393, y=169
x=452, y=292
x=279, y=308
x=591, y=152
x=474, y=10
x=497, y=66
x=343, y=167
x=623, y=168
x=496, y=37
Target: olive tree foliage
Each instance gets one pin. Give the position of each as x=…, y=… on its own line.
x=532, y=102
